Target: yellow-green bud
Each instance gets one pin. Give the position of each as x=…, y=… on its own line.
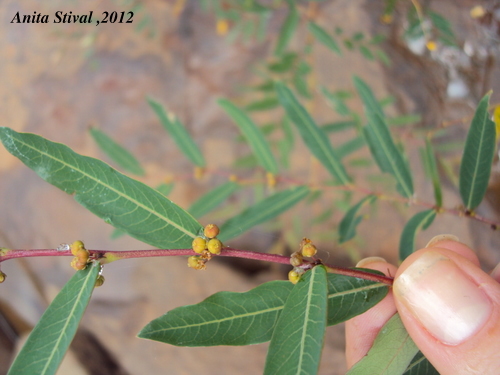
x=99, y=281
x=75, y=246
x=2, y=277
x=196, y=262
x=309, y=250
x=199, y=245
x=211, y=231
x=214, y=246
x=293, y=276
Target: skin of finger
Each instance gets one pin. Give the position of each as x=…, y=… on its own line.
x=480, y=353
x=362, y=329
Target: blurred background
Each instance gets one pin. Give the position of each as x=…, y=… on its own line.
x=429, y=61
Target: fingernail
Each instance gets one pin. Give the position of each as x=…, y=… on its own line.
x=449, y=305
x=441, y=237
x=365, y=261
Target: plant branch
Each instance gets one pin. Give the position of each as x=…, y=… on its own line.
x=104, y=257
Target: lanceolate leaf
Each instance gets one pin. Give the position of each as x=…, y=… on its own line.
x=263, y=104
x=336, y=101
x=287, y=29
x=323, y=37
x=163, y=188
x=380, y=141
x=431, y=169
x=478, y=154
x=179, y=133
x=47, y=343
x=123, y=202
x=313, y=136
x=420, y=366
x=350, y=146
x=297, y=340
x=116, y=152
x=262, y=211
x=228, y=318
x=253, y=134
x=347, y=227
x=212, y=199
x=422, y=220
x=391, y=352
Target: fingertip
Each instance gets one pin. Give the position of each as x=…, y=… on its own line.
x=362, y=329
x=450, y=307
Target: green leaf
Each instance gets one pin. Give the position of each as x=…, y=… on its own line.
x=284, y=64
x=336, y=102
x=323, y=37
x=338, y=126
x=446, y=34
x=367, y=53
x=263, y=104
x=432, y=171
x=48, y=342
x=347, y=227
x=117, y=153
x=266, y=130
x=422, y=220
x=391, y=353
x=297, y=340
x=287, y=29
x=382, y=57
x=285, y=145
x=478, y=155
x=121, y=201
x=420, y=366
x=253, y=134
x=262, y=211
x=266, y=86
x=179, y=133
x=245, y=162
x=380, y=142
x=314, y=138
x=212, y=199
x=301, y=86
x=350, y=146
x=229, y=318
x=164, y=189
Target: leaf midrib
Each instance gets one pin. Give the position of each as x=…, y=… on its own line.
x=251, y=133
x=476, y=166
x=55, y=348
x=241, y=316
x=393, y=163
x=307, y=322
x=315, y=133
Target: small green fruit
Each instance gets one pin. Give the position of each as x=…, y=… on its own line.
x=99, y=281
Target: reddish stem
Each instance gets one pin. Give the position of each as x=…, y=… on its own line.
x=110, y=256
